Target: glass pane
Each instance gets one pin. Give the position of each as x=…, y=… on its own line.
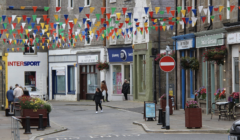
x=88, y=69
x=117, y=79
x=83, y=69
x=71, y=79
x=88, y=2
x=59, y=3
x=92, y=68
x=92, y=83
x=30, y=79
x=143, y=72
x=236, y=74
x=127, y=74
x=61, y=84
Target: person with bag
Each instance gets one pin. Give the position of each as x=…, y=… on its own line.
x=97, y=98
x=125, y=89
x=104, y=90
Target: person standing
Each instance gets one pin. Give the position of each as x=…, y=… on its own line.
x=104, y=87
x=97, y=98
x=18, y=92
x=10, y=98
x=125, y=89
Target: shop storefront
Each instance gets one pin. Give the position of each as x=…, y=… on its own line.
x=28, y=71
x=120, y=60
x=185, y=45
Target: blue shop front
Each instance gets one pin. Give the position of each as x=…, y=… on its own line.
x=120, y=62
x=185, y=47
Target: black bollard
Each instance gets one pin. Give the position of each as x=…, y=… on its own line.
x=159, y=116
x=27, y=126
x=40, y=123
x=163, y=120
x=48, y=120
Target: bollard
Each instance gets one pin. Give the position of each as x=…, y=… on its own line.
x=48, y=120
x=27, y=126
x=40, y=123
x=159, y=116
x=163, y=120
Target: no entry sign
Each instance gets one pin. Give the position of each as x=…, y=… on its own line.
x=167, y=64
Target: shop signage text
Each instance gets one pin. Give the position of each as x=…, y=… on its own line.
x=120, y=54
x=209, y=41
x=87, y=58
x=233, y=38
x=185, y=44
x=24, y=63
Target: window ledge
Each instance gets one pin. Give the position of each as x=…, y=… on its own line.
x=87, y=5
x=60, y=94
x=72, y=92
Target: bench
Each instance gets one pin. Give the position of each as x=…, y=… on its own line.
x=34, y=121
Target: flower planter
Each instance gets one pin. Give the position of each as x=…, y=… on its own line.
x=163, y=105
x=218, y=56
x=193, y=117
x=203, y=96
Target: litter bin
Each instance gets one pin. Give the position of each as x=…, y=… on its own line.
x=235, y=131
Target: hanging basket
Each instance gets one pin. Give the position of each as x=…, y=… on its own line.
x=187, y=64
x=218, y=56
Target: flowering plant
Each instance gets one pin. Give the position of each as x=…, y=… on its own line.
x=159, y=56
x=209, y=54
x=220, y=94
x=189, y=63
x=34, y=103
x=192, y=104
x=164, y=96
x=233, y=96
x=100, y=66
x=201, y=93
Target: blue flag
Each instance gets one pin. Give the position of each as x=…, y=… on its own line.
x=135, y=19
x=84, y=20
x=8, y=49
x=55, y=26
x=66, y=17
x=194, y=11
x=210, y=9
x=146, y=9
x=33, y=24
x=96, y=36
x=4, y=17
x=131, y=29
x=80, y=9
x=38, y=47
x=130, y=15
x=11, y=7
x=28, y=19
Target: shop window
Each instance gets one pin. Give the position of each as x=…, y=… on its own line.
x=30, y=78
x=127, y=75
x=142, y=72
x=92, y=79
x=71, y=80
x=117, y=79
x=60, y=81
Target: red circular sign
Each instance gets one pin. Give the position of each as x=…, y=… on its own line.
x=167, y=64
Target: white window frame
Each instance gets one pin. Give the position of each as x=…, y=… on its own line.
x=58, y=3
x=127, y=40
x=89, y=30
x=112, y=1
x=183, y=8
x=85, y=3
x=144, y=35
x=69, y=3
x=193, y=7
x=113, y=41
x=228, y=12
x=209, y=18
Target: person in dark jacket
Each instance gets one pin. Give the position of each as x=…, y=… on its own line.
x=97, y=98
x=10, y=98
x=125, y=89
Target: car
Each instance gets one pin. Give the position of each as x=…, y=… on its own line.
x=235, y=131
x=35, y=92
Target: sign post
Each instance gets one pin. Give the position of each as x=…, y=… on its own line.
x=167, y=64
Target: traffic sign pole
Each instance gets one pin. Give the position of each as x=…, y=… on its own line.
x=167, y=97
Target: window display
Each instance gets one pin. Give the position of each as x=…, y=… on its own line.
x=92, y=79
x=60, y=79
x=71, y=71
x=143, y=72
x=117, y=79
x=127, y=74
x=30, y=79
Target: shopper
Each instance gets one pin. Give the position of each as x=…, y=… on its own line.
x=104, y=87
x=125, y=89
x=97, y=98
x=18, y=92
x=10, y=98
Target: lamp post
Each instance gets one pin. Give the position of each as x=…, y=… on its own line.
x=167, y=95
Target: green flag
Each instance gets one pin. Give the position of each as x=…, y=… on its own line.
x=149, y=29
x=212, y=17
x=153, y=27
x=46, y=8
x=5, y=25
x=113, y=9
x=0, y=19
x=161, y=12
x=173, y=19
x=37, y=40
x=116, y=21
x=98, y=16
x=34, y=17
x=110, y=20
x=23, y=48
x=179, y=8
x=53, y=46
x=228, y=8
x=130, y=23
x=21, y=35
x=60, y=23
x=177, y=21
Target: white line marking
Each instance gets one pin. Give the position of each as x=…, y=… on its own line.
x=91, y=137
x=167, y=63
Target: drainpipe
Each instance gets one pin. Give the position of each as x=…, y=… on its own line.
x=195, y=51
x=185, y=16
x=175, y=50
x=159, y=71
x=238, y=10
x=210, y=18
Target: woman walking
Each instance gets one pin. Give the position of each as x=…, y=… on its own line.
x=104, y=87
x=97, y=98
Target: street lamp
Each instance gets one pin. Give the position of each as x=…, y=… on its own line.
x=167, y=94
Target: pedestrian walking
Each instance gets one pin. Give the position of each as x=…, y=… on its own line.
x=97, y=98
x=18, y=92
x=10, y=98
x=104, y=88
x=125, y=89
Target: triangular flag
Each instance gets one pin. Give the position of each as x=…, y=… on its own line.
x=220, y=17
x=88, y=15
x=28, y=19
x=212, y=18
x=91, y=9
x=13, y=17
x=9, y=20
x=45, y=17
x=205, y=10
x=194, y=11
x=80, y=9
x=75, y=20
x=103, y=10
x=168, y=9
x=4, y=17
x=220, y=8
x=38, y=20
x=189, y=8
x=22, y=7
x=210, y=9
x=151, y=14
x=118, y=15
x=34, y=8
x=179, y=8
x=113, y=9
x=46, y=8
x=203, y=18
x=183, y=12
x=130, y=15
x=66, y=17
x=200, y=9
x=173, y=13
x=124, y=10
x=58, y=9
x=232, y=7
x=98, y=16
x=56, y=17
x=19, y=19
x=34, y=17
x=146, y=10
x=157, y=9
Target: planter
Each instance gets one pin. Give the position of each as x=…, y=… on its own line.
x=236, y=100
x=203, y=96
x=218, y=56
x=193, y=117
x=163, y=105
x=221, y=100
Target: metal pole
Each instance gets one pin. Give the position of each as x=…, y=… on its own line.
x=167, y=96
x=155, y=87
x=159, y=70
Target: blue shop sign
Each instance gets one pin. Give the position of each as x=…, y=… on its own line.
x=184, y=41
x=120, y=54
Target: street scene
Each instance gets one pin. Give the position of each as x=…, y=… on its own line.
x=119, y=69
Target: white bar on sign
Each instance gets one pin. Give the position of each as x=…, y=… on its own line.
x=167, y=63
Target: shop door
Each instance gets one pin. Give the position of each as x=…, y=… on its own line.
x=53, y=83
x=236, y=74
x=83, y=82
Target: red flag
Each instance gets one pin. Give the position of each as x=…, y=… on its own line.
x=58, y=9
x=103, y=10
x=4, y=40
x=168, y=9
x=24, y=17
x=52, y=24
x=124, y=10
x=48, y=19
x=151, y=14
x=215, y=9
x=170, y=18
x=34, y=8
x=71, y=25
x=51, y=31
x=88, y=15
x=146, y=29
x=220, y=17
x=108, y=15
x=43, y=39
x=164, y=19
x=14, y=35
x=66, y=21
x=45, y=17
x=203, y=19
x=17, y=49
x=9, y=20
x=116, y=30
x=14, y=25
x=184, y=20
x=102, y=20
x=120, y=26
x=19, y=31
x=239, y=7
x=2, y=31
x=173, y=13
x=161, y=28
x=38, y=27
x=189, y=8
x=156, y=28
x=232, y=7
x=107, y=23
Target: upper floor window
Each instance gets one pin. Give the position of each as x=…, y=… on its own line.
x=70, y=3
x=128, y=38
x=29, y=48
x=113, y=24
x=228, y=12
x=87, y=34
x=87, y=2
x=58, y=3
x=112, y=1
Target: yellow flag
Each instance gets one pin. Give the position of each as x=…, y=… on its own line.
x=113, y=37
x=108, y=38
x=15, y=41
x=48, y=34
x=155, y=20
x=118, y=15
x=63, y=38
x=146, y=24
x=80, y=36
x=13, y=49
x=19, y=19
x=56, y=17
x=43, y=47
x=48, y=41
x=157, y=9
x=42, y=25
x=26, y=31
x=103, y=35
x=178, y=18
x=47, y=26
x=75, y=20
x=220, y=8
x=120, y=31
x=45, y=30
x=23, y=40
x=164, y=28
x=127, y=19
x=183, y=12
x=138, y=28
x=90, y=32
x=94, y=29
x=91, y=9
x=117, y=33
x=40, y=44
x=7, y=35
x=22, y=7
